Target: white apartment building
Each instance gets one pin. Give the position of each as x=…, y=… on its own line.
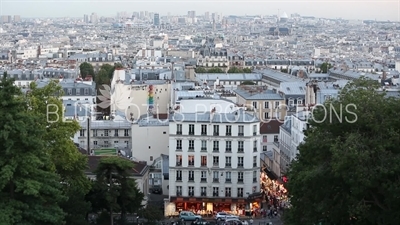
x=214, y=161
x=150, y=135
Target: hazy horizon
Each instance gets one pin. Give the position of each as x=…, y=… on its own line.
x=352, y=10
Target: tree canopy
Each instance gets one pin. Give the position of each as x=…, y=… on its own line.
x=86, y=69
x=348, y=169
x=239, y=70
x=325, y=67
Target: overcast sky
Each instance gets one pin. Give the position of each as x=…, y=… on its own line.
x=346, y=9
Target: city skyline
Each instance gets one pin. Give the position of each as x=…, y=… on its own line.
x=353, y=10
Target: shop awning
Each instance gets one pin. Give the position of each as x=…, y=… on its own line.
x=255, y=196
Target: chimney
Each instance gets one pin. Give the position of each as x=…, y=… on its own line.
x=384, y=75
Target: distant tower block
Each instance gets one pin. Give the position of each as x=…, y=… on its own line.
x=283, y=18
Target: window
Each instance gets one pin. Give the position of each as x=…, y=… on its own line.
x=116, y=133
x=228, y=146
x=191, y=145
x=178, y=160
x=106, y=133
x=266, y=105
x=255, y=130
x=94, y=142
x=191, y=191
x=191, y=129
x=215, y=176
x=82, y=133
x=240, y=130
x=254, y=161
x=277, y=115
x=203, y=145
x=299, y=102
x=255, y=143
x=126, y=133
x=240, y=161
x=266, y=115
x=216, y=146
x=254, y=176
x=86, y=91
x=240, y=192
x=179, y=175
x=203, y=129
x=115, y=142
x=240, y=146
x=228, y=130
x=178, y=190
x=255, y=105
x=215, y=191
x=69, y=91
x=228, y=177
x=94, y=133
x=216, y=130
x=203, y=176
x=276, y=138
x=228, y=192
x=179, y=145
x=240, y=176
x=215, y=160
x=203, y=160
x=265, y=148
x=179, y=129
x=276, y=105
x=191, y=175
x=151, y=158
x=203, y=191
x=191, y=160
x=228, y=161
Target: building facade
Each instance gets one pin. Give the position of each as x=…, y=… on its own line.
x=214, y=163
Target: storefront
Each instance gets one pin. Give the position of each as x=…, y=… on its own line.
x=207, y=206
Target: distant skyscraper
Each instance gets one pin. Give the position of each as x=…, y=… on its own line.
x=17, y=18
x=86, y=18
x=207, y=16
x=192, y=14
x=94, y=18
x=156, y=20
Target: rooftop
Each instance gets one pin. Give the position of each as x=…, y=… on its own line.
x=252, y=92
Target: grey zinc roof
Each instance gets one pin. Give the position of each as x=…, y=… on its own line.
x=266, y=94
x=72, y=109
x=293, y=88
x=239, y=116
x=279, y=76
x=228, y=76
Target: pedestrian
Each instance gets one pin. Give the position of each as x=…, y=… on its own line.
x=251, y=221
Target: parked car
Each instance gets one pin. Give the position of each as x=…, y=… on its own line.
x=188, y=216
x=222, y=216
x=200, y=222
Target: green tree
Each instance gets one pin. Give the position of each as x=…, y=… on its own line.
x=215, y=70
x=325, y=67
x=234, y=70
x=86, y=69
x=152, y=213
x=200, y=70
x=248, y=82
x=119, y=190
x=247, y=70
x=31, y=190
x=67, y=161
x=347, y=170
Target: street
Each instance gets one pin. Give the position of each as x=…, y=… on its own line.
x=257, y=221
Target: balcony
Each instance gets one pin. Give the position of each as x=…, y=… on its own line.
x=178, y=178
x=216, y=164
x=203, y=193
x=191, y=193
x=254, y=164
x=254, y=149
x=254, y=133
x=203, y=180
x=228, y=150
x=240, y=165
x=203, y=149
x=203, y=133
x=215, y=149
x=191, y=179
x=191, y=163
x=215, y=179
x=254, y=180
x=240, y=134
x=178, y=193
x=179, y=132
x=228, y=134
x=179, y=149
x=240, y=195
x=228, y=194
x=179, y=163
x=216, y=134
x=240, y=150
x=203, y=164
x=240, y=180
x=215, y=194
x=191, y=133
x=228, y=180
x=191, y=149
